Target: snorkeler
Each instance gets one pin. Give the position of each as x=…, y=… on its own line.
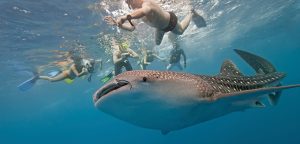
x=148, y=57
x=152, y=14
x=79, y=68
x=175, y=54
x=121, y=54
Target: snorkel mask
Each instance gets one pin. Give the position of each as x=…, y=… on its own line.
x=76, y=59
x=124, y=46
x=88, y=64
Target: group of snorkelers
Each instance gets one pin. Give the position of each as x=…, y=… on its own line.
x=121, y=53
x=153, y=15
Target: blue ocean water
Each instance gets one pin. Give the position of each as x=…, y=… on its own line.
x=62, y=113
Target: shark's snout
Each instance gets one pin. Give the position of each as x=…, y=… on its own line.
x=109, y=88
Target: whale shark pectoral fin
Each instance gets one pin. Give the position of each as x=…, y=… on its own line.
x=258, y=104
x=274, y=97
x=252, y=94
x=164, y=132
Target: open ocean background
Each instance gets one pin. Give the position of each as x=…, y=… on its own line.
x=60, y=113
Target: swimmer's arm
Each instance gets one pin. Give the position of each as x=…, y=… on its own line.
x=133, y=54
x=184, y=57
x=116, y=58
x=100, y=63
x=139, y=13
x=136, y=14
x=126, y=26
x=158, y=57
x=120, y=22
x=76, y=72
x=145, y=59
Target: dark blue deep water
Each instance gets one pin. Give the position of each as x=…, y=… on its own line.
x=60, y=113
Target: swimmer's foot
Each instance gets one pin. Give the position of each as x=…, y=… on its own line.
x=36, y=75
x=198, y=19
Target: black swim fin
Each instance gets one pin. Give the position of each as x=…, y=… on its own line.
x=198, y=19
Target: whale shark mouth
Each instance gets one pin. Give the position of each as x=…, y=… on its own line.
x=110, y=88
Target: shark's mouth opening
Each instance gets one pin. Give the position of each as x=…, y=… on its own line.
x=109, y=88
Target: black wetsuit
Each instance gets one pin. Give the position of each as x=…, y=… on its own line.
x=150, y=58
x=175, y=58
x=124, y=63
x=175, y=55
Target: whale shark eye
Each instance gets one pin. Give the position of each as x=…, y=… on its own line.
x=144, y=79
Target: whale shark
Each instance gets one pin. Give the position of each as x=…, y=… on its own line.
x=169, y=101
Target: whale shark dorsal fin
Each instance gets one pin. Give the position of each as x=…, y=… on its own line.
x=259, y=64
x=229, y=68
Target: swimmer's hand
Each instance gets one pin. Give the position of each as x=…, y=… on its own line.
x=110, y=20
x=121, y=20
x=84, y=70
x=125, y=55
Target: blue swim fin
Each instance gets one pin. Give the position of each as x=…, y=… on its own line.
x=54, y=73
x=198, y=20
x=26, y=85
